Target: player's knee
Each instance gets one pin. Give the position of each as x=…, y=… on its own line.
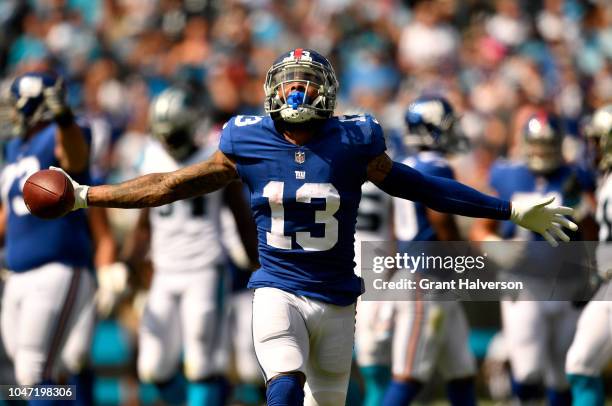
x=248, y=371
x=286, y=389
x=196, y=369
x=29, y=368
x=198, y=366
x=74, y=363
x=577, y=363
x=533, y=376
x=152, y=370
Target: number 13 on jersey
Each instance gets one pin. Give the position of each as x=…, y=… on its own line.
x=304, y=194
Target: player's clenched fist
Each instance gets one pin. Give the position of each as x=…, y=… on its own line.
x=53, y=193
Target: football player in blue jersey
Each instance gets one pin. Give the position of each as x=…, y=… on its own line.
x=47, y=307
x=417, y=346
x=538, y=333
x=591, y=349
x=304, y=169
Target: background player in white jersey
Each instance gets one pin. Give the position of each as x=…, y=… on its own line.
x=239, y=309
x=429, y=336
x=239, y=306
x=47, y=306
x=304, y=169
x=591, y=349
x=184, y=310
x=372, y=332
x=538, y=333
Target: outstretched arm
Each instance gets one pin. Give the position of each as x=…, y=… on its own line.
x=441, y=194
x=157, y=189
x=449, y=196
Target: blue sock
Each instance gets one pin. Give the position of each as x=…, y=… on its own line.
x=587, y=390
x=285, y=390
x=84, y=383
x=401, y=393
x=559, y=398
x=376, y=378
x=527, y=391
x=173, y=391
x=204, y=393
x=461, y=392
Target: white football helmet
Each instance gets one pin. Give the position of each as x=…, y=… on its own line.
x=543, y=139
x=600, y=128
x=313, y=71
x=173, y=116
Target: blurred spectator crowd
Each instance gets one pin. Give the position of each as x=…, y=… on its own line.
x=496, y=60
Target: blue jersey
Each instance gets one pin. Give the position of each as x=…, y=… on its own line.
x=515, y=181
x=410, y=218
x=31, y=241
x=304, y=201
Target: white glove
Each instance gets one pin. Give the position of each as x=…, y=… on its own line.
x=113, y=283
x=80, y=191
x=536, y=215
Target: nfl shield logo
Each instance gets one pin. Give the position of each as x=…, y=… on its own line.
x=300, y=157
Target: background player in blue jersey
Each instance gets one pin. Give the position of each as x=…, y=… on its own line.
x=429, y=336
x=304, y=169
x=49, y=294
x=538, y=333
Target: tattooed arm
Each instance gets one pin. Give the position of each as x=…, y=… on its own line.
x=157, y=189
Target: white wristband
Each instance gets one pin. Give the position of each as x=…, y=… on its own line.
x=80, y=197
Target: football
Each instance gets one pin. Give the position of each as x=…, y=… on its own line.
x=48, y=194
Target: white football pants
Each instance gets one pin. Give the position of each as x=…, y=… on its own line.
x=184, y=310
x=47, y=321
x=295, y=333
